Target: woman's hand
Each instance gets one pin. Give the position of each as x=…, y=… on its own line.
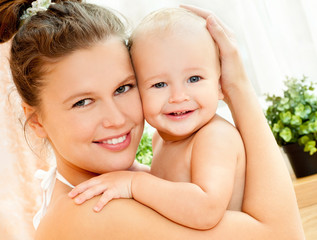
x=233, y=75
x=110, y=185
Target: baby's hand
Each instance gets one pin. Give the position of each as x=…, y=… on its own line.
x=110, y=185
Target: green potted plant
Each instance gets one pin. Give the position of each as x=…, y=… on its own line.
x=293, y=121
x=144, y=153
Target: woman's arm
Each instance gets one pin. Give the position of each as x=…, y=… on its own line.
x=269, y=196
x=270, y=208
x=121, y=219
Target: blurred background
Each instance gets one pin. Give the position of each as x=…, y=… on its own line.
x=276, y=38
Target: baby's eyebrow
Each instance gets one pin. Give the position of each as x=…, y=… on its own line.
x=193, y=69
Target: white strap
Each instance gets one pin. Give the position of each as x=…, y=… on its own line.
x=63, y=180
x=48, y=182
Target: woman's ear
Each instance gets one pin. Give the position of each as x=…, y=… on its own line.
x=34, y=120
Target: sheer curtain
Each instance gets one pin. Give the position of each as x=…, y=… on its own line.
x=276, y=38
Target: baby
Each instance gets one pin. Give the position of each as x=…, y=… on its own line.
x=198, y=157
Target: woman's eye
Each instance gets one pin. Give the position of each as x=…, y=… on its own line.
x=123, y=89
x=193, y=79
x=160, y=85
x=83, y=102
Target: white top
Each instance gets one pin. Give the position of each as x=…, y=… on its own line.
x=48, y=182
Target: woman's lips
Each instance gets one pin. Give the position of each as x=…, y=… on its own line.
x=116, y=143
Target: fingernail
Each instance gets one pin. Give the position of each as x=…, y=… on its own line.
x=96, y=209
x=77, y=200
x=211, y=20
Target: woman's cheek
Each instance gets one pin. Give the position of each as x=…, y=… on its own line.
x=136, y=105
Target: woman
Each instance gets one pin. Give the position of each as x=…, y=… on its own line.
x=73, y=73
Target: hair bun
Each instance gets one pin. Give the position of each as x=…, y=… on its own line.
x=10, y=13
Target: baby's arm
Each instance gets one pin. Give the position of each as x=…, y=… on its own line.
x=200, y=204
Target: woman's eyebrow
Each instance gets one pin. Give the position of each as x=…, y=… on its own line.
x=77, y=95
x=126, y=80
x=87, y=93
x=129, y=78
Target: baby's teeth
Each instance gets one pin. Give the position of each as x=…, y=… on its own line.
x=179, y=113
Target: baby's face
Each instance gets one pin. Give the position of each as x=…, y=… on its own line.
x=178, y=77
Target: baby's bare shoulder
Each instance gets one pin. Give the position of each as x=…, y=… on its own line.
x=219, y=134
x=220, y=128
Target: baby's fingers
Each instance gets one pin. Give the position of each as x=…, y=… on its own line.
x=89, y=193
x=82, y=187
x=104, y=199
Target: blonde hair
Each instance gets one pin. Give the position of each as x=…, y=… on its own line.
x=165, y=20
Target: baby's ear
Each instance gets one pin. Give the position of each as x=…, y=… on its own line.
x=220, y=93
x=34, y=120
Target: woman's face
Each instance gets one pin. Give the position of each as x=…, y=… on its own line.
x=91, y=110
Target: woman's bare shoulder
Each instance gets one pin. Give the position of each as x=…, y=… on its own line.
x=120, y=219
x=66, y=220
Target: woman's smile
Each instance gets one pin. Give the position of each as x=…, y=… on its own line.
x=117, y=143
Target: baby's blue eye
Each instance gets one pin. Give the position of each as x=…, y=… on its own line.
x=193, y=79
x=123, y=89
x=160, y=85
x=83, y=102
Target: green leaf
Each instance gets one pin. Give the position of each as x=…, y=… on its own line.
x=286, y=117
x=312, y=151
x=277, y=127
x=310, y=147
x=284, y=100
x=300, y=110
x=303, y=129
x=144, y=153
x=296, y=120
x=303, y=140
x=307, y=110
x=286, y=134
x=312, y=126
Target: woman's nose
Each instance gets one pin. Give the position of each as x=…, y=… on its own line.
x=113, y=116
x=178, y=95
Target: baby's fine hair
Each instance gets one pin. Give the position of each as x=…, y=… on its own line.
x=50, y=35
x=166, y=19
